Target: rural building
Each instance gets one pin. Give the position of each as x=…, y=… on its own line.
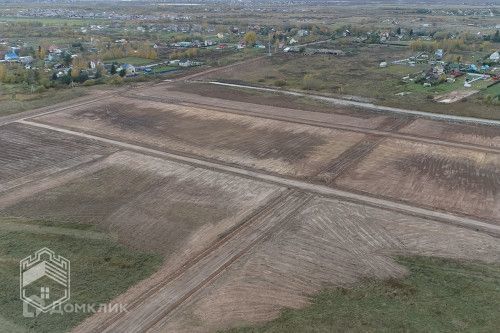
x=302, y=33
x=54, y=49
x=439, y=54
x=185, y=63
x=11, y=56
x=129, y=69
x=26, y=60
x=495, y=56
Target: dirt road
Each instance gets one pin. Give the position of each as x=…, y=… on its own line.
x=370, y=106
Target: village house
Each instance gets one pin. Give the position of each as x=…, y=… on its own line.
x=129, y=69
x=439, y=54
x=185, y=63
x=302, y=33
x=495, y=56
x=54, y=49
x=11, y=55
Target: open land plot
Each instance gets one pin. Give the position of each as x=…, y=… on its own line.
x=451, y=179
x=293, y=108
x=345, y=75
x=418, y=173
x=150, y=204
x=466, y=133
x=266, y=104
x=327, y=243
x=359, y=75
x=28, y=153
x=275, y=146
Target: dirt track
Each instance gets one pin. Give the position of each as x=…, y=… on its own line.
x=254, y=207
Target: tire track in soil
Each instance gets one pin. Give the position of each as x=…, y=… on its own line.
x=348, y=159
x=280, y=216
x=395, y=124
x=247, y=225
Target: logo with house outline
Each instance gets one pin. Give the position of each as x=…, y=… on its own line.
x=44, y=280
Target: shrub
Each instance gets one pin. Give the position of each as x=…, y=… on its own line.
x=115, y=80
x=309, y=82
x=280, y=83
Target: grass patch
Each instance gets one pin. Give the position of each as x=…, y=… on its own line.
x=164, y=68
x=359, y=74
x=100, y=270
x=13, y=99
x=438, y=296
x=493, y=90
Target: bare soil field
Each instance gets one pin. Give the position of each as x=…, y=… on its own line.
x=241, y=240
x=333, y=116
x=150, y=204
x=264, y=103
x=466, y=133
x=275, y=146
x=28, y=153
x=327, y=243
x=451, y=179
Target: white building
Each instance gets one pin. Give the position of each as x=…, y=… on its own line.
x=495, y=56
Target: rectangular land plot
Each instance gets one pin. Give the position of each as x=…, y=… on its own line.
x=267, y=104
x=149, y=203
x=28, y=153
x=275, y=146
x=483, y=135
x=451, y=179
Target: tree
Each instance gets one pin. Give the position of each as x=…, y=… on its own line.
x=496, y=37
x=191, y=53
x=123, y=72
x=67, y=59
x=309, y=82
x=3, y=72
x=250, y=38
x=113, y=69
x=75, y=72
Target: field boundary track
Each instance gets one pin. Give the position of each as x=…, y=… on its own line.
x=304, y=121
x=350, y=157
x=236, y=246
x=369, y=106
x=462, y=221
